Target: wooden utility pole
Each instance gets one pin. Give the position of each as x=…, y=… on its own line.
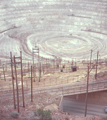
x=96, y=65
x=38, y=57
x=12, y=80
x=33, y=65
x=33, y=56
x=22, y=78
x=4, y=73
x=39, y=65
x=39, y=71
x=16, y=84
x=31, y=86
x=6, y=67
x=28, y=66
x=91, y=58
x=86, y=100
x=28, y=70
x=35, y=50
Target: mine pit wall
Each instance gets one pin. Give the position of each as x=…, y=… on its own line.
x=93, y=98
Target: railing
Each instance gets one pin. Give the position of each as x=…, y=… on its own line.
x=75, y=89
x=59, y=90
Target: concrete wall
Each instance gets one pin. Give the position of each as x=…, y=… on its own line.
x=95, y=97
x=61, y=104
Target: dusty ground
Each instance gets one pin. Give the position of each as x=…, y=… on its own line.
x=44, y=101
x=47, y=101
x=53, y=76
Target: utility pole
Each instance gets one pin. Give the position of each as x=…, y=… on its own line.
x=91, y=58
x=31, y=86
x=12, y=80
x=22, y=78
x=33, y=65
x=4, y=73
x=0, y=76
x=39, y=71
x=39, y=65
x=28, y=70
x=86, y=100
x=96, y=65
x=6, y=66
x=16, y=84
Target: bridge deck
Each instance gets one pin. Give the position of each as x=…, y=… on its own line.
x=68, y=89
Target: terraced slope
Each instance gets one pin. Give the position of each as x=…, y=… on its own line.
x=64, y=28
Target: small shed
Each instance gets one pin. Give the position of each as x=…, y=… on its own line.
x=74, y=68
x=61, y=70
x=63, y=66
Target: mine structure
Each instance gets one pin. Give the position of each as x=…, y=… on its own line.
x=57, y=48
